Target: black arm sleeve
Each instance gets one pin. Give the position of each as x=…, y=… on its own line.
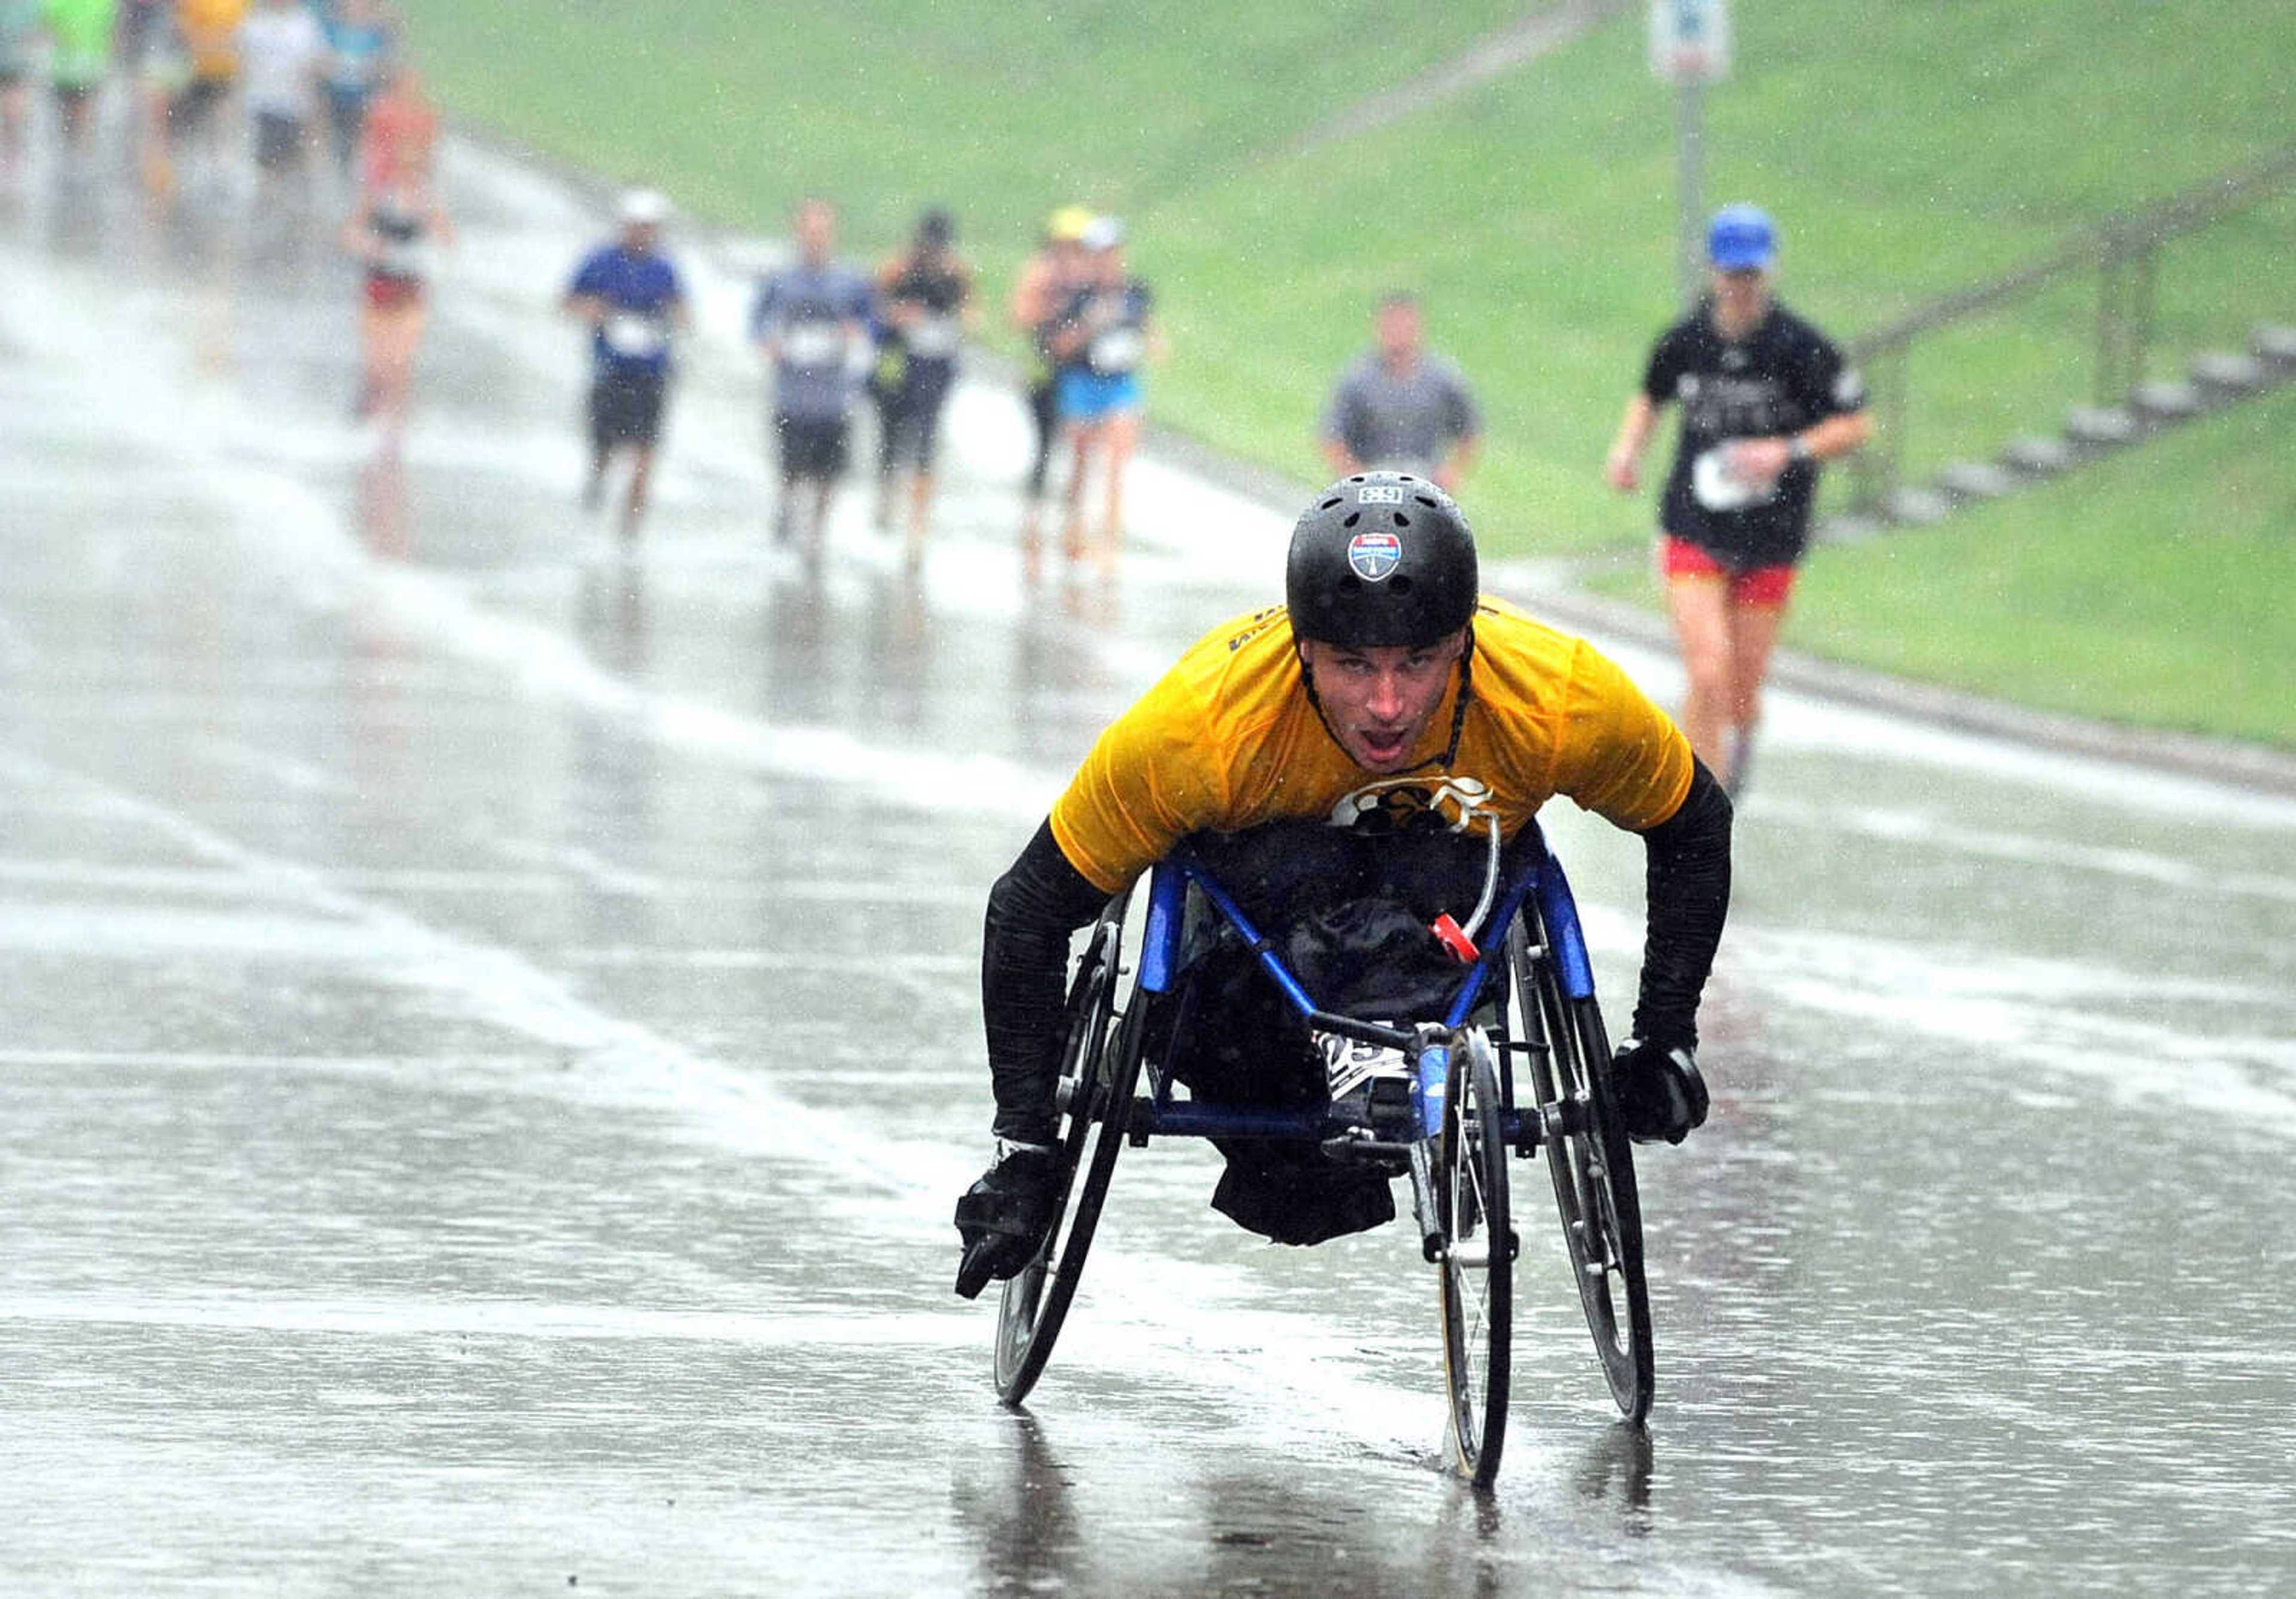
x=1024, y=955
x=1688, y=886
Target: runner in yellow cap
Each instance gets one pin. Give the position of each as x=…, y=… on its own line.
x=1047, y=278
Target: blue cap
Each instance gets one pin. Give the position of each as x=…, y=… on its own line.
x=1741, y=239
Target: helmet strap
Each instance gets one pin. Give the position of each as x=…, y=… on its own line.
x=1459, y=708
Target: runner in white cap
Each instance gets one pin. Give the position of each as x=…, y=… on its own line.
x=1104, y=338
x=630, y=297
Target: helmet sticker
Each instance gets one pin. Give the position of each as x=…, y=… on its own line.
x=1372, y=556
x=1379, y=493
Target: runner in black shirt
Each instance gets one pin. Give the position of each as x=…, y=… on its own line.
x=1765, y=398
x=924, y=299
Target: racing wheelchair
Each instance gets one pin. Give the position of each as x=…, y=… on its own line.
x=1517, y=1064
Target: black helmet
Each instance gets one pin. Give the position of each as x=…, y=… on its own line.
x=1381, y=560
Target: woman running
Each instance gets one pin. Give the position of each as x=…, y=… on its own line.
x=1103, y=338
x=1046, y=281
x=1764, y=398
x=395, y=232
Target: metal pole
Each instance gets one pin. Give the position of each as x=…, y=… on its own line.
x=2142, y=313
x=1689, y=187
x=2111, y=325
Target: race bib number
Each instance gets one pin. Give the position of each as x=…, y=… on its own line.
x=1115, y=351
x=408, y=258
x=1715, y=481
x=932, y=337
x=814, y=344
x=631, y=334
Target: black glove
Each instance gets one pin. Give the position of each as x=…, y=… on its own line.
x=1660, y=1094
x=1002, y=1217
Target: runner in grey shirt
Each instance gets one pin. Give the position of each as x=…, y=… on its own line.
x=810, y=321
x=1401, y=406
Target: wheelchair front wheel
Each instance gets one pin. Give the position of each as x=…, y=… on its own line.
x=1471, y=1197
x=1100, y=1064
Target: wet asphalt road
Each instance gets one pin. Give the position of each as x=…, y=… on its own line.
x=492, y=1043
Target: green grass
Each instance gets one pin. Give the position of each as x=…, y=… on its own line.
x=1002, y=109
x=1908, y=151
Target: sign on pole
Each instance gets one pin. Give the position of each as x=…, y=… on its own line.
x=1690, y=40
x=1689, y=48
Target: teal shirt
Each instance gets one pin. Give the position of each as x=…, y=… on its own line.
x=17, y=18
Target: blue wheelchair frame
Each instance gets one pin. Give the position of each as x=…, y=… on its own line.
x=1539, y=875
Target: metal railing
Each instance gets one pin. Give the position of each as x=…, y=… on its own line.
x=2123, y=253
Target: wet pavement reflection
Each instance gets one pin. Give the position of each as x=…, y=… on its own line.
x=493, y=1043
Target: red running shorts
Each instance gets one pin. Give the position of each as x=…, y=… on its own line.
x=1760, y=585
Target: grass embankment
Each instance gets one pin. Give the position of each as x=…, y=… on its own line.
x=1907, y=151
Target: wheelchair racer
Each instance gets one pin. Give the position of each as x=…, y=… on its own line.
x=1384, y=681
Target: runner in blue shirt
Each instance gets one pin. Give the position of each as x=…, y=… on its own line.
x=629, y=294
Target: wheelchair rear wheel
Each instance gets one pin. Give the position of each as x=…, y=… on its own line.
x=1471, y=1198
x=1099, y=1065
x=1592, y=1165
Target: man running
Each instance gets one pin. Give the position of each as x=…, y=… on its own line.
x=924, y=302
x=1385, y=684
x=281, y=50
x=811, y=323
x=630, y=297
x=209, y=31
x=79, y=55
x=1400, y=405
x=1765, y=397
